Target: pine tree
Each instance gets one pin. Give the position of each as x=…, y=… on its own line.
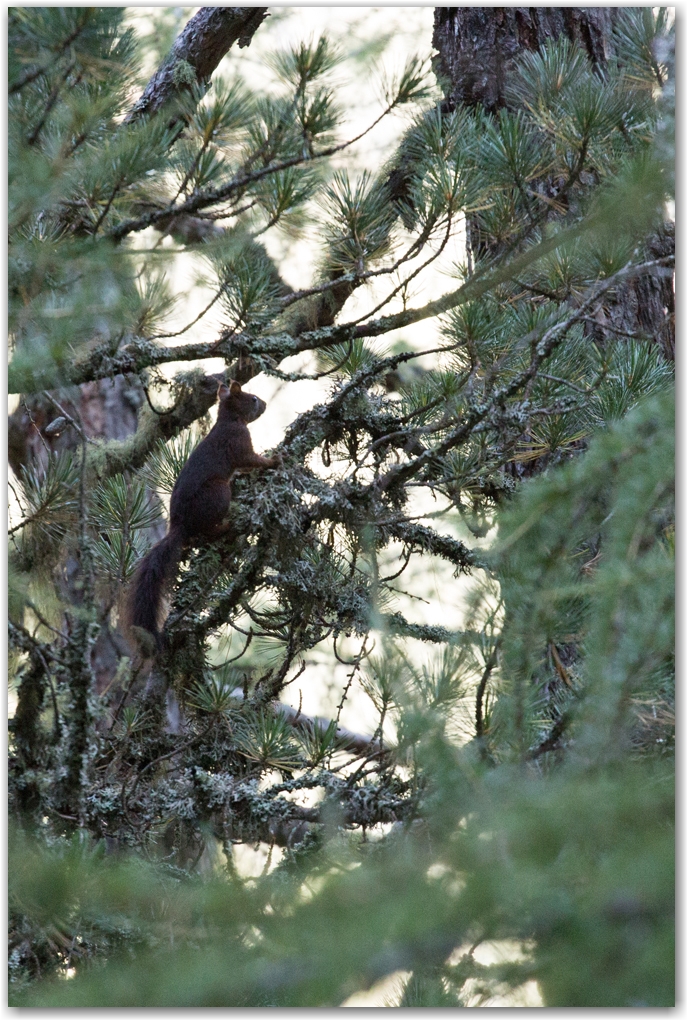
x=517, y=787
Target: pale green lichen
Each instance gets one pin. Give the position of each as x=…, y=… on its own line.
x=184, y=74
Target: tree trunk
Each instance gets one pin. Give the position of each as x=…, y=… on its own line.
x=477, y=48
x=108, y=408
x=479, y=45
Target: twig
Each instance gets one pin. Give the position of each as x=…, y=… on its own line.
x=391, y=577
x=242, y=652
x=34, y=609
x=160, y=414
x=52, y=99
x=75, y=425
x=481, y=688
x=356, y=666
x=551, y=742
x=169, y=336
x=31, y=75
x=307, y=377
x=239, y=181
x=560, y=668
x=38, y=431
x=565, y=382
x=404, y=283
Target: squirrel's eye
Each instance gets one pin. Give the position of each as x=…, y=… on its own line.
x=255, y=400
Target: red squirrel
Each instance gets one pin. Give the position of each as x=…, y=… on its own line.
x=200, y=500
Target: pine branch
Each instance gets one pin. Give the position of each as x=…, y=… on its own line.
x=114, y=457
x=481, y=690
x=204, y=41
x=31, y=74
x=243, y=581
x=344, y=739
x=397, y=624
x=421, y=537
x=543, y=349
x=239, y=182
x=140, y=353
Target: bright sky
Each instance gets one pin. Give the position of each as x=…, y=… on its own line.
x=375, y=43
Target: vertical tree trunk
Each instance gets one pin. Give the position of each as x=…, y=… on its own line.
x=479, y=45
x=108, y=410
x=477, y=48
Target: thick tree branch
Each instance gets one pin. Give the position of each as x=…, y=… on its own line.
x=140, y=353
x=115, y=456
x=202, y=44
x=479, y=46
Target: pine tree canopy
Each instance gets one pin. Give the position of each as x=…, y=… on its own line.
x=476, y=813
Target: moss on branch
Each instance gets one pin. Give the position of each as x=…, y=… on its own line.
x=115, y=456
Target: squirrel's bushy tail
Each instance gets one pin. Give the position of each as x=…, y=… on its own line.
x=147, y=588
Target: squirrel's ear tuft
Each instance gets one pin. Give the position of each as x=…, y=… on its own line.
x=223, y=391
x=234, y=388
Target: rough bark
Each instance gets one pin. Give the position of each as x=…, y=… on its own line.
x=202, y=44
x=107, y=408
x=647, y=305
x=479, y=45
x=477, y=48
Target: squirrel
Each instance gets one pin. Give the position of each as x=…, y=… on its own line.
x=200, y=500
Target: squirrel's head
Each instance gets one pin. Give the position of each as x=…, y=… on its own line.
x=234, y=403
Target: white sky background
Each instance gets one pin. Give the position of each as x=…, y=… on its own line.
x=375, y=43
x=398, y=32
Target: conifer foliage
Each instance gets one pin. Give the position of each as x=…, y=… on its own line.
x=516, y=791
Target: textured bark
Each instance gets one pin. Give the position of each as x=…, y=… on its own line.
x=202, y=44
x=107, y=408
x=477, y=48
x=478, y=45
x=646, y=305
